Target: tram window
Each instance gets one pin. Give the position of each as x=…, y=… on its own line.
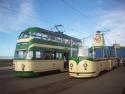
x=38, y=55
x=63, y=40
x=58, y=39
x=71, y=41
x=52, y=38
x=38, y=35
x=42, y=54
x=33, y=35
x=48, y=55
x=26, y=35
x=74, y=52
x=44, y=36
x=79, y=43
x=104, y=53
x=67, y=41
x=20, y=54
x=21, y=35
x=74, y=43
x=30, y=55
x=58, y=55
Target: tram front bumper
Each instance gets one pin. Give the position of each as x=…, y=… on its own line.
x=82, y=74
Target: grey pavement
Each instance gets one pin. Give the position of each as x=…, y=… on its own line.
x=6, y=68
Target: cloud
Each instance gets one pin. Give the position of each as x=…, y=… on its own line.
x=26, y=11
x=115, y=21
x=18, y=17
x=100, y=1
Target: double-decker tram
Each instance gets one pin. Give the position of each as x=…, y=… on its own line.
x=39, y=50
x=91, y=61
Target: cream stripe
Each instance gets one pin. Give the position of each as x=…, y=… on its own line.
x=24, y=40
x=47, y=46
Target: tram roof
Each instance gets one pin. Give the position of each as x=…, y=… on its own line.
x=59, y=34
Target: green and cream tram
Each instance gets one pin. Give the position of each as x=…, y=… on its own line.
x=39, y=50
x=91, y=61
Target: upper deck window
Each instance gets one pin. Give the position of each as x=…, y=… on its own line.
x=36, y=35
x=52, y=38
x=45, y=36
x=58, y=39
x=24, y=35
x=39, y=35
x=66, y=41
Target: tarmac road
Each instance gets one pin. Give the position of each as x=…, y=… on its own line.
x=111, y=82
x=6, y=73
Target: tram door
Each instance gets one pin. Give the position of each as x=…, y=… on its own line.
x=66, y=60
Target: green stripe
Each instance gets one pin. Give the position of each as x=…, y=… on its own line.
x=26, y=74
x=47, y=49
x=22, y=45
x=79, y=59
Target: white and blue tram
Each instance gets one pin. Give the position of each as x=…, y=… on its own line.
x=91, y=61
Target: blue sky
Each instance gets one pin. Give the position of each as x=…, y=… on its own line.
x=17, y=15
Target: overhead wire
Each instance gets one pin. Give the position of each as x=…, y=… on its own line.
x=82, y=14
x=50, y=22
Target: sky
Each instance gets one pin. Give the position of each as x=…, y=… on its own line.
x=80, y=18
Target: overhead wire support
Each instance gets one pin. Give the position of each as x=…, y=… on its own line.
x=83, y=39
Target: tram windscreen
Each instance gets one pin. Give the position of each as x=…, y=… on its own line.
x=20, y=54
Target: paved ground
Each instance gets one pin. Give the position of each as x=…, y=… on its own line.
x=6, y=68
x=111, y=82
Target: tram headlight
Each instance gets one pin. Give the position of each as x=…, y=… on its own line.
x=71, y=65
x=85, y=64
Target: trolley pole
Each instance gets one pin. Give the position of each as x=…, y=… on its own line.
x=93, y=52
x=115, y=50
x=71, y=47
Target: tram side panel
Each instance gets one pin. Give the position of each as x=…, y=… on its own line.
x=110, y=64
x=115, y=63
x=23, y=65
x=106, y=64
x=48, y=65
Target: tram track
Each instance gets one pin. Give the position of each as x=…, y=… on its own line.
x=46, y=84
x=62, y=83
x=16, y=85
x=55, y=87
